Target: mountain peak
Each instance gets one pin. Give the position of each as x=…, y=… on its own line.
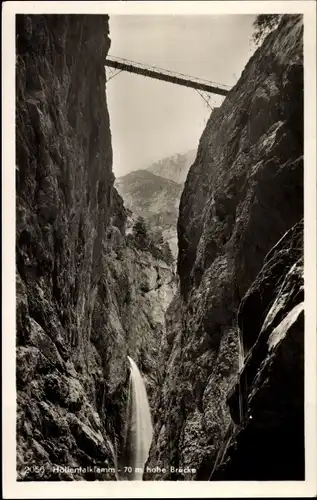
x=174, y=167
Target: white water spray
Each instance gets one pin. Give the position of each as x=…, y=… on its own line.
x=140, y=424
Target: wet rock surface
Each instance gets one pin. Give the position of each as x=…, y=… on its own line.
x=240, y=285
x=267, y=402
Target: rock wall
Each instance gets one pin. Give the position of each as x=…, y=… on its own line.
x=240, y=300
x=86, y=296
x=267, y=402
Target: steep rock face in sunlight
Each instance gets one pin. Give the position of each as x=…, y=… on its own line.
x=134, y=292
x=154, y=198
x=86, y=296
x=154, y=193
x=240, y=295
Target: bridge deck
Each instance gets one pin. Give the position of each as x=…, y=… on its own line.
x=167, y=76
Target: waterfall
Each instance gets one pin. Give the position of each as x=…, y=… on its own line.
x=140, y=430
x=242, y=387
x=241, y=351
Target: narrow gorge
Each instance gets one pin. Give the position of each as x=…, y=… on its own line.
x=217, y=347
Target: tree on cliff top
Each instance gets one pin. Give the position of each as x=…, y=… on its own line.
x=151, y=240
x=263, y=25
x=140, y=233
x=139, y=227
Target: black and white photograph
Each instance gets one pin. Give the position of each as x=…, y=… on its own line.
x=160, y=301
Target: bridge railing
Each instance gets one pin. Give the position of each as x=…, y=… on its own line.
x=166, y=75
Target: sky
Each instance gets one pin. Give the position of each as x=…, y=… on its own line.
x=150, y=119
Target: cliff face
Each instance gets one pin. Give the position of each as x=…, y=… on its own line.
x=134, y=292
x=86, y=297
x=267, y=402
x=154, y=198
x=240, y=301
